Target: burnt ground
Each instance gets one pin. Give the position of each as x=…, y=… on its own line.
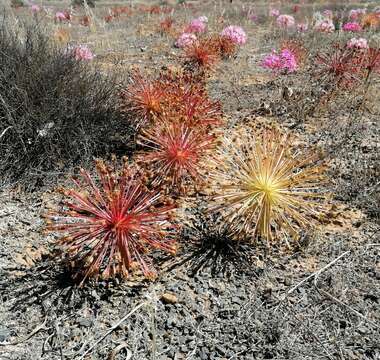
x=318, y=301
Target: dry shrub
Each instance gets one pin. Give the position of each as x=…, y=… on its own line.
x=54, y=110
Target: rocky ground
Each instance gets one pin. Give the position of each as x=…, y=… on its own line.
x=319, y=301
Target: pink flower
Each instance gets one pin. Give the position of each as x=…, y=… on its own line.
x=302, y=27
x=324, y=26
x=328, y=14
x=80, y=52
x=62, y=16
x=185, y=39
x=274, y=12
x=235, y=33
x=252, y=17
x=196, y=26
x=354, y=14
x=352, y=26
x=355, y=43
x=285, y=61
x=203, y=19
x=285, y=21
x=290, y=62
x=35, y=9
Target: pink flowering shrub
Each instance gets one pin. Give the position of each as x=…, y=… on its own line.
x=235, y=33
x=80, y=52
x=285, y=21
x=196, y=26
x=285, y=61
x=355, y=14
x=274, y=12
x=302, y=27
x=325, y=25
x=359, y=43
x=352, y=26
x=185, y=39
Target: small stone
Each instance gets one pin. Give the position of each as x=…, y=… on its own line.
x=168, y=298
x=4, y=333
x=84, y=322
x=220, y=350
x=203, y=354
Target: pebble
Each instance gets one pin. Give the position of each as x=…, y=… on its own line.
x=84, y=322
x=169, y=298
x=4, y=333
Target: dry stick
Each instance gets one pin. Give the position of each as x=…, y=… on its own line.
x=317, y=273
x=343, y=304
x=4, y=131
x=117, y=349
x=112, y=329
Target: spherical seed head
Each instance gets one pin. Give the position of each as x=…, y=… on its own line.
x=177, y=155
x=265, y=187
x=143, y=97
x=114, y=223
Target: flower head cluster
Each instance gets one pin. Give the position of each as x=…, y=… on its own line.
x=235, y=33
x=203, y=18
x=143, y=98
x=325, y=25
x=223, y=45
x=179, y=133
x=352, y=27
x=285, y=61
x=177, y=151
x=196, y=26
x=357, y=43
x=355, y=14
x=371, y=21
x=328, y=14
x=274, y=12
x=185, y=39
x=264, y=187
x=62, y=16
x=201, y=55
x=302, y=27
x=80, y=52
x=166, y=25
x=341, y=66
x=285, y=21
x=35, y=8
x=111, y=223
x=251, y=15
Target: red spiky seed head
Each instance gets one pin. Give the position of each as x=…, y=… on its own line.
x=340, y=66
x=201, y=55
x=177, y=154
x=143, y=97
x=110, y=225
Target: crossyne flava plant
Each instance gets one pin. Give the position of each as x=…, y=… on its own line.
x=176, y=155
x=264, y=187
x=110, y=225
